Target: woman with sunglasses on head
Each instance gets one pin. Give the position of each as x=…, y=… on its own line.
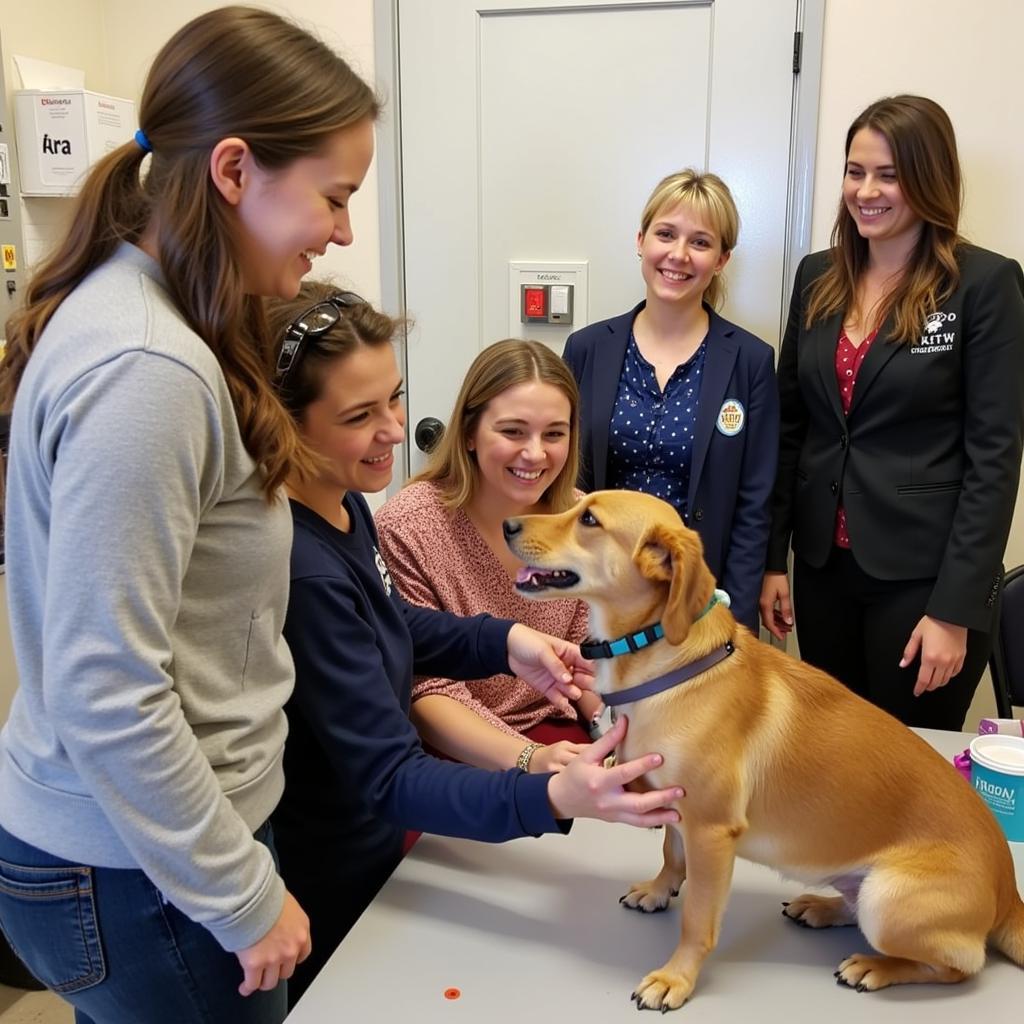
x=678, y=402
x=356, y=774
x=901, y=377
x=510, y=448
x=147, y=538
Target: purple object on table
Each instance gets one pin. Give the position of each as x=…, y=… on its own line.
x=962, y=763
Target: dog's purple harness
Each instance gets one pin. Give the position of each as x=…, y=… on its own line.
x=669, y=679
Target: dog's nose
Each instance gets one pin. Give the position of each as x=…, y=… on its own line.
x=510, y=527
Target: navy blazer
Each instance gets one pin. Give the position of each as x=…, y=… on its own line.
x=927, y=461
x=730, y=477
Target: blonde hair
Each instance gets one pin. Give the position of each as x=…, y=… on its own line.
x=710, y=199
x=235, y=71
x=497, y=368
x=923, y=144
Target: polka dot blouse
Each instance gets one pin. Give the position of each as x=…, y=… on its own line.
x=650, y=437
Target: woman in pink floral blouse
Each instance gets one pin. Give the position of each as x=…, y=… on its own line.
x=510, y=448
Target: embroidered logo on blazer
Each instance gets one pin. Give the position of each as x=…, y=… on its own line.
x=731, y=417
x=936, y=338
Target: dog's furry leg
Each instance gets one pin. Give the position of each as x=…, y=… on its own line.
x=710, y=856
x=654, y=894
x=819, y=911
x=928, y=928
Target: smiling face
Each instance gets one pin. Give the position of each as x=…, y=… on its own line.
x=288, y=216
x=872, y=193
x=358, y=419
x=521, y=443
x=680, y=253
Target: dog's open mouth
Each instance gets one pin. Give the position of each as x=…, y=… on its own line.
x=530, y=579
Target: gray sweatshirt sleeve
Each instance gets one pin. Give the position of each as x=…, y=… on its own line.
x=135, y=448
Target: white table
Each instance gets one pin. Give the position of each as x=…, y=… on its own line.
x=530, y=931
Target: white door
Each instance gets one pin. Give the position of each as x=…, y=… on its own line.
x=534, y=131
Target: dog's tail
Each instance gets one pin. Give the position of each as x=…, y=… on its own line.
x=1008, y=938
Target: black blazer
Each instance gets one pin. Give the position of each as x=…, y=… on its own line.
x=731, y=477
x=928, y=459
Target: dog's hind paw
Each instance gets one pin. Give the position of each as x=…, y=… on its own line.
x=868, y=973
x=812, y=911
x=648, y=897
x=662, y=990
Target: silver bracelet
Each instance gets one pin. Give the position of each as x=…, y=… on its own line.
x=523, y=760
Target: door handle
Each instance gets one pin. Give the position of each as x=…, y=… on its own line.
x=428, y=434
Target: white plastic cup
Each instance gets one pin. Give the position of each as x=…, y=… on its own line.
x=997, y=774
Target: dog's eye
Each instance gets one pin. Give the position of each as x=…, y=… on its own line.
x=588, y=518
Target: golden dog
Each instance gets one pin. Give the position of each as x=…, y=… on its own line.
x=779, y=766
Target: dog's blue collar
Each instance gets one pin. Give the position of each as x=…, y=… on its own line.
x=625, y=644
x=632, y=642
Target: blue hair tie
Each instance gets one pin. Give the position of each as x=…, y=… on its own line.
x=144, y=143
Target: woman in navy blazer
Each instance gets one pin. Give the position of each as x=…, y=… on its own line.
x=679, y=402
x=901, y=379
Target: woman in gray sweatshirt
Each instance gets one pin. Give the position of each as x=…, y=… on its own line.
x=148, y=540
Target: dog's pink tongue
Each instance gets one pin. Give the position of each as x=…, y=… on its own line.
x=524, y=574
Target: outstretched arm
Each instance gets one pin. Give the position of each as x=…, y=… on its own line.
x=461, y=733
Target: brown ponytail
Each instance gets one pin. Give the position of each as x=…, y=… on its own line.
x=234, y=71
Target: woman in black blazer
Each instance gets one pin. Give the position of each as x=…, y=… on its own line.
x=901, y=379
x=678, y=402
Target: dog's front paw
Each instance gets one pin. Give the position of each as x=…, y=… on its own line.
x=662, y=990
x=648, y=897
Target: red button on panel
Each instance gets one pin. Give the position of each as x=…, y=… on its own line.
x=535, y=302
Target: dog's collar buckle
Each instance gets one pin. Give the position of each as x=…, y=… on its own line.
x=669, y=679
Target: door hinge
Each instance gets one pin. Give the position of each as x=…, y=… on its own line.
x=798, y=46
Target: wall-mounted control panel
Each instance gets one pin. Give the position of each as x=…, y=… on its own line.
x=546, y=303
x=545, y=296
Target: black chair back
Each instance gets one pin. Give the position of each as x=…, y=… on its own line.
x=1007, y=661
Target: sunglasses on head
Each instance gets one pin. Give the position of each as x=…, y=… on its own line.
x=317, y=320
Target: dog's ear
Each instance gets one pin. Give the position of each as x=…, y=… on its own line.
x=676, y=557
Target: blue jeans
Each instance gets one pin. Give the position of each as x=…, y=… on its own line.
x=105, y=940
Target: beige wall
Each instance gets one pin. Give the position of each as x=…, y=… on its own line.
x=62, y=31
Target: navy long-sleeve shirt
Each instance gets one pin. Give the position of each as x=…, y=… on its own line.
x=356, y=776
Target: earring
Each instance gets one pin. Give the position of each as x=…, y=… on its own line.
x=639, y=255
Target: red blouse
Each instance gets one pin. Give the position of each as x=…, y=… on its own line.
x=848, y=362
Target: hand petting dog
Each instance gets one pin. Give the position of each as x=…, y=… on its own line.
x=585, y=788
x=552, y=666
